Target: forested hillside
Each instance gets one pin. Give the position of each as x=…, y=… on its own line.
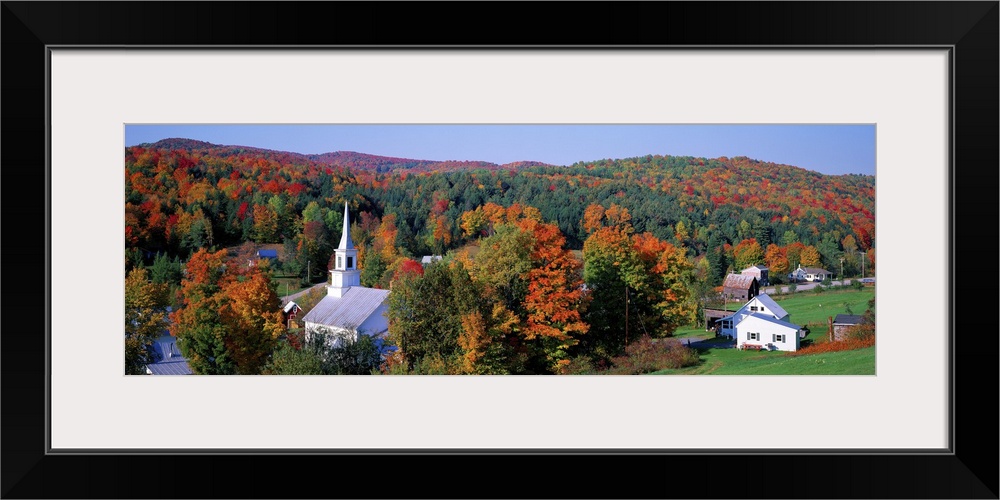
x=182, y=195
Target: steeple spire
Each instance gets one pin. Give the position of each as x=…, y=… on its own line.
x=345, y=238
x=345, y=273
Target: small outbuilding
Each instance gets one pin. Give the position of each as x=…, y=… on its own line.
x=842, y=322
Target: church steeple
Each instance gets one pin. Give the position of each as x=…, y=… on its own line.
x=345, y=237
x=345, y=273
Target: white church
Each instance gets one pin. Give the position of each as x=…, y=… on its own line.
x=348, y=309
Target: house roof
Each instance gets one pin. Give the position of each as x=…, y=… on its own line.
x=771, y=305
x=348, y=311
x=166, y=364
x=815, y=270
x=427, y=259
x=741, y=281
x=758, y=267
x=847, y=319
x=770, y=319
x=268, y=253
x=289, y=306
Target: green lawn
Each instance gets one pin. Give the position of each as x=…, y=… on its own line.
x=733, y=362
x=691, y=331
x=292, y=282
x=809, y=307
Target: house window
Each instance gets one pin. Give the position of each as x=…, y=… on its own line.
x=753, y=308
x=338, y=262
x=753, y=336
x=350, y=262
x=777, y=338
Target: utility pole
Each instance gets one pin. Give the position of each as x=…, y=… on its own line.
x=862, y=254
x=841, y=270
x=308, y=274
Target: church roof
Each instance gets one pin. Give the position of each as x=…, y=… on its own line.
x=345, y=237
x=168, y=358
x=348, y=311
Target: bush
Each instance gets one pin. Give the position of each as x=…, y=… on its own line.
x=647, y=355
x=580, y=365
x=819, y=289
x=792, y=287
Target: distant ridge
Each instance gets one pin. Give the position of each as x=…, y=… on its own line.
x=348, y=159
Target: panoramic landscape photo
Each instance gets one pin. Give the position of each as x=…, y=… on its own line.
x=499, y=249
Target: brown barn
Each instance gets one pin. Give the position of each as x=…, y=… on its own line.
x=741, y=287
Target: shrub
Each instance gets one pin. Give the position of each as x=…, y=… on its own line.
x=792, y=287
x=579, y=365
x=647, y=355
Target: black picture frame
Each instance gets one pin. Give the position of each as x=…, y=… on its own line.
x=969, y=28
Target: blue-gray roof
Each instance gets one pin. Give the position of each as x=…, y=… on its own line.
x=772, y=305
x=169, y=360
x=770, y=319
x=349, y=311
x=270, y=254
x=847, y=319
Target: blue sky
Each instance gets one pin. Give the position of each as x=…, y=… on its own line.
x=830, y=149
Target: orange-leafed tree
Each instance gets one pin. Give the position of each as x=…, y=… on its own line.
x=251, y=313
x=776, y=260
x=593, y=218
x=230, y=318
x=810, y=257
x=555, y=298
x=747, y=253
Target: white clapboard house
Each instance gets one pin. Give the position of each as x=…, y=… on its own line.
x=761, y=324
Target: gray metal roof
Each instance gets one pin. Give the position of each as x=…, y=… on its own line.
x=847, y=319
x=427, y=259
x=169, y=360
x=349, y=311
x=289, y=306
x=770, y=319
x=758, y=267
x=814, y=270
x=772, y=305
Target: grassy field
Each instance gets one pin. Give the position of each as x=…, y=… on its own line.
x=291, y=281
x=808, y=307
x=728, y=361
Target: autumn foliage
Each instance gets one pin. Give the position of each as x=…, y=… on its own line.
x=231, y=315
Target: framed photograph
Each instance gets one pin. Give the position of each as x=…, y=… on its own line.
x=925, y=91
